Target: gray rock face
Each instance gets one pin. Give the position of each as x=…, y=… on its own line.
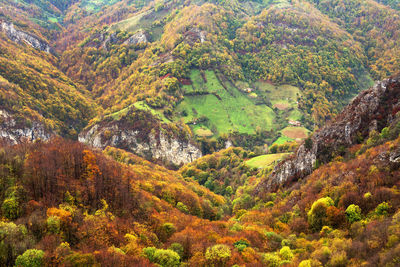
x=157, y=146
x=372, y=109
x=10, y=131
x=138, y=38
x=21, y=37
x=194, y=35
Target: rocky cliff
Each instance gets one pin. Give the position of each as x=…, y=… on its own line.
x=16, y=132
x=143, y=136
x=372, y=109
x=21, y=37
x=137, y=38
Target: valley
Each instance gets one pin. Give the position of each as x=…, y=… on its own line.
x=199, y=133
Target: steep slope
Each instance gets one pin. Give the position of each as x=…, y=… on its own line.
x=371, y=110
x=141, y=132
x=83, y=207
x=167, y=54
x=376, y=27
x=34, y=91
x=67, y=204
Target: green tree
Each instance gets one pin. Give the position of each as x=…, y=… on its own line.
x=14, y=241
x=353, y=213
x=149, y=253
x=30, y=258
x=271, y=260
x=218, y=255
x=166, y=258
x=286, y=253
x=383, y=209
x=182, y=207
x=317, y=216
x=10, y=208
x=178, y=248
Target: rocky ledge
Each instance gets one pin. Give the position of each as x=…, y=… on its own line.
x=144, y=137
x=21, y=37
x=14, y=132
x=372, y=109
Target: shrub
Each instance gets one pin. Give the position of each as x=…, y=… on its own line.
x=382, y=209
x=353, y=213
x=310, y=263
x=166, y=231
x=317, y=216
x=271, y=260
x=30, y=258
x=78, y=259
x=286, y=253
x=322, y=254
x=241, y=245
x=338, y=259
x=178, y=248
x=218, y=254
x=166, y=258
x=182, y=207
x=10, y=208
x=53, y=225
x=149, y=253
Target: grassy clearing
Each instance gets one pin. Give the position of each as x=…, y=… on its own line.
x=295, y=132
x=223, y=109
x=96, y=5
x=265, y=160
x=282, y=97
x=283, y=139
x=53, y=19
x=143, y=106
x=130, y=24
x=143, y=20
x=117, y=115
x=295, y=115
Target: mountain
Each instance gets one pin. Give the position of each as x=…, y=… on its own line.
x=199, y=133
x=66, y=204
x=225, y=69
x=371, y=111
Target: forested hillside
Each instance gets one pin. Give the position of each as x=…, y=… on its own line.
x=182, y=58
x=199, y=133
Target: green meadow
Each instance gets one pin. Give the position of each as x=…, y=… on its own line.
x=264, y=161
x=222, y=110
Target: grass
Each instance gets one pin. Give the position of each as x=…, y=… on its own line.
x=265, y=160
x=198, y=84
x=283, y=139
x=226, y=109
x=96, y=5
x=281, y=97
x=130, y=24
x=295, y=115
x=143, y=106
x=143, y=20
x=53, y=20
x=117, y=115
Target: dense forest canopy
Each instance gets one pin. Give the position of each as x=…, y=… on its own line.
x=239, y=89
